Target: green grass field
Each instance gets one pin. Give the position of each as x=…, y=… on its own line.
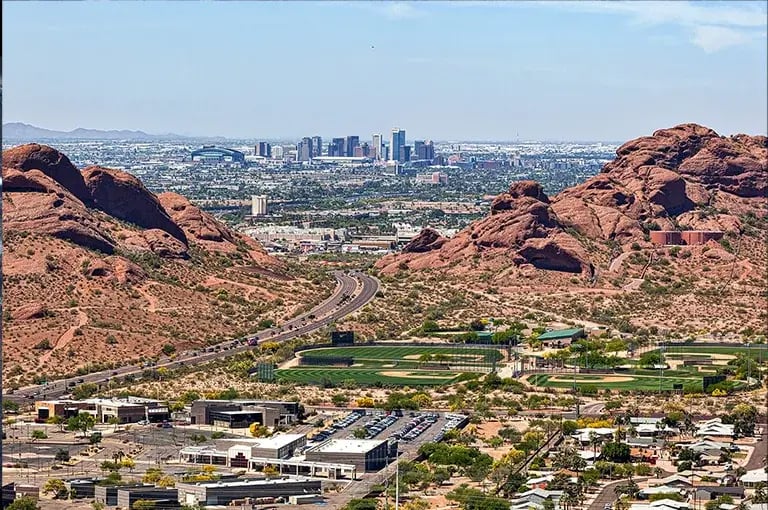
x=759, y=351
x=390, y=365
x=386, y=353
x=363, y=376
x=633, y=382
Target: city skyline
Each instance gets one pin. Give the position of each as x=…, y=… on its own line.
x=509, y=80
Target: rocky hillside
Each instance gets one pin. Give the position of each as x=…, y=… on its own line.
x=586, y=253
x=684, y=178
x=98, y=270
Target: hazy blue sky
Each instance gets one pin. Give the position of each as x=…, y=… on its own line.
x=552, y=70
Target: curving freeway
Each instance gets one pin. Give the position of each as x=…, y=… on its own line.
x=353, y=291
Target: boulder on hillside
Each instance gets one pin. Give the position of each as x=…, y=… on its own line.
x=428, y=239
x=123, y=196
x=35, y=203
x=54, y=164
x=195, y=223
x=29, y=312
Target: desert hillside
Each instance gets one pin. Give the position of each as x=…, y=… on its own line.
x=591, y=246
x=99, y=271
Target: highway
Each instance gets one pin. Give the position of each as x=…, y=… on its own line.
x=353, y=291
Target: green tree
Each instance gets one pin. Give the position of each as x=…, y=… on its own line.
x=39, y=434
x=650, y=358
x=56, y=487
x=23, y=503
x=144, y=504
x=152, y=475
x=10, y=406
x=114, y=420
x=57, y=420
x=62, y=455
x=168, y=349
x=616, y=452
x=82, y=422
x=361, y=504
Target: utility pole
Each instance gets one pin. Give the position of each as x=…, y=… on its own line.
x=749, y=367
x=397, y=485
x=661, y=365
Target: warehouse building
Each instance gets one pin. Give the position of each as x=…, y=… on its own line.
x=242, y=413
x=222, y=493
x=364, y=454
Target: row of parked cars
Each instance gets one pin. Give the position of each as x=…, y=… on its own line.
x=455, y=421
x=415, y=427
x=375, y=428
x=339, y=425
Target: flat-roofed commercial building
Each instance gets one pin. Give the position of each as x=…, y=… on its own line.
x=280, y=446
x=228, y=413
x=126, y=410
x=45, y=409
x=222, y=493
x=364, y=454
x=161, y=496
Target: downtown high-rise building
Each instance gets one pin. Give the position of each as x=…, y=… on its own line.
x=263, y=149
x=377, y=148
x=350, y=143
x=405, y=155
x=336, y=147
x=317, y=146
x=396, y=145
x=304, y=149
x=423, y=150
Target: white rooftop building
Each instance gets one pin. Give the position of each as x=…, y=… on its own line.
x=714, y=427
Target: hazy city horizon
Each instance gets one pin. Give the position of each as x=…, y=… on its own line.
x=368, y=67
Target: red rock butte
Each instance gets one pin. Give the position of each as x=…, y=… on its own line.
x=686, y=178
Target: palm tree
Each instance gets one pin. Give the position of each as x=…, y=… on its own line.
x=566, y=500
x=594, y=440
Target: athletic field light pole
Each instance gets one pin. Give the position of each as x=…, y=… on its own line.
x=661, y=365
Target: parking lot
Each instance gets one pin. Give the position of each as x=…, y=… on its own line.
x=410, y=429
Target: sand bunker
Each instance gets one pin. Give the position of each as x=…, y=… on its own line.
x=602, y=379
x=410, y=375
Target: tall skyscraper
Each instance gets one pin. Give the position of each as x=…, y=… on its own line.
x=378, y=147
x=349, y=145
x=264, y=149
x=418, y=149
x=317, y=146
x=366, y=150
x=338, y=147
x=278, y=152
x=397, y=144
x=429, y=150
x=423, y=150
x=304, y=149
x=405, y=155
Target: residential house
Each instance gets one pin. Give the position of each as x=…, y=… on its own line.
x=753, y=477
x=535, y=498
x=716, y=428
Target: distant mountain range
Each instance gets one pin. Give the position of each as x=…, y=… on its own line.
x=27, y=132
